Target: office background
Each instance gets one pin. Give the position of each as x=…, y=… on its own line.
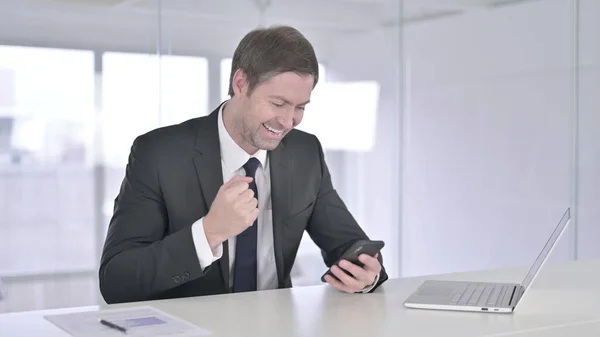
x=457, y=131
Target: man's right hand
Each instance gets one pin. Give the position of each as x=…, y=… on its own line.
x=234, y=209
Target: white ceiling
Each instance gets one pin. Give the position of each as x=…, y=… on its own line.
x=204, y=26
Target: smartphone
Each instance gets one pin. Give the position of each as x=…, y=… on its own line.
x=360, y=247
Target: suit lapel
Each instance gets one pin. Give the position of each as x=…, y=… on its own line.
x=210, y=174
x=280, y=199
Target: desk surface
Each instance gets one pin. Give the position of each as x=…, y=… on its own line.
x=564, y=300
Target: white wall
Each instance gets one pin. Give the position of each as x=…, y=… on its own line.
x=487, y=139
x=589, y=132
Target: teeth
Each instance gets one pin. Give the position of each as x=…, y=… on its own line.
x=272, y=130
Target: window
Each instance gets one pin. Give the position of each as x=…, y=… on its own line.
x=225, y=73
x=46, y=190
x=354, y=104
x=46, y=105
x=142, y=92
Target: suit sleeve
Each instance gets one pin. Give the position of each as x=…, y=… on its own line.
x=331, y=226
x=138, y=261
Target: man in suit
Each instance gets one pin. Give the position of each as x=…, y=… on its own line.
x=219, y=204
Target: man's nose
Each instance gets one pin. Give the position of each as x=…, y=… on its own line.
x=286, y=120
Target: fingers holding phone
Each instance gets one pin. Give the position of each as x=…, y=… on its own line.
x=352, y=278
x=357, y=269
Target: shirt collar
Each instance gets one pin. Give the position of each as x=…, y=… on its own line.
x=233, y=156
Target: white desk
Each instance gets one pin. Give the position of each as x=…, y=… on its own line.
x=564, y=301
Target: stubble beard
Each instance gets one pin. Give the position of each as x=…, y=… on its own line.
x=253, y=137
x=250, y=135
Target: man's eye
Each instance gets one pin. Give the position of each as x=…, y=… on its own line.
x=278, y=105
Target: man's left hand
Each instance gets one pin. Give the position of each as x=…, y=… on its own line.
x=359, y=278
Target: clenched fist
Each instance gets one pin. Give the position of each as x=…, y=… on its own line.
x=234, y=209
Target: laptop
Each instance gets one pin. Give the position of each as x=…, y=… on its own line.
x=482, y=296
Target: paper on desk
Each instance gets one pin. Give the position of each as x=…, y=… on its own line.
x=139, y=321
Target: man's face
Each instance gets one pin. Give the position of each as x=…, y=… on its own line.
x=273, y=109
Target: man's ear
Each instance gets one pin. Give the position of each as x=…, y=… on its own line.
x=240, y=83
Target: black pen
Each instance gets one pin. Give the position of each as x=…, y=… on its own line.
x=113, y=326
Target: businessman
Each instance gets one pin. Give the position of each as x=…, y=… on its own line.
x=219, y=204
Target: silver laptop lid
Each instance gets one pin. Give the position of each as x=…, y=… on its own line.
x=539, y=262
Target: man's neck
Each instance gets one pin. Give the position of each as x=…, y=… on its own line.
x=229, y=115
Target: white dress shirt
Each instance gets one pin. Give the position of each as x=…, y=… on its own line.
x=233, y=158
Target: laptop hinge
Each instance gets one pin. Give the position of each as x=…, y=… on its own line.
x=517, y=292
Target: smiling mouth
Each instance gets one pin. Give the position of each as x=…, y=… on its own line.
x=273, y=131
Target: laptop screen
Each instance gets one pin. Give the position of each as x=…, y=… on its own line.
x=560, y=228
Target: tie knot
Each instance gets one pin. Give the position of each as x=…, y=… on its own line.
x=251, y=166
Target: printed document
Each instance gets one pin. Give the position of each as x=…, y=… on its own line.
x=135, y=321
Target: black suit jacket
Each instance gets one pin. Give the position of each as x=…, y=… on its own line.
x=172, y=178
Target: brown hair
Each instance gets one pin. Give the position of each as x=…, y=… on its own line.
x=266, y=52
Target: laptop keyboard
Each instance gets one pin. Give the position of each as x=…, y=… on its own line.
x=473, y=294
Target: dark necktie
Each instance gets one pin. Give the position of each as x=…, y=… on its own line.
x=245, y=269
